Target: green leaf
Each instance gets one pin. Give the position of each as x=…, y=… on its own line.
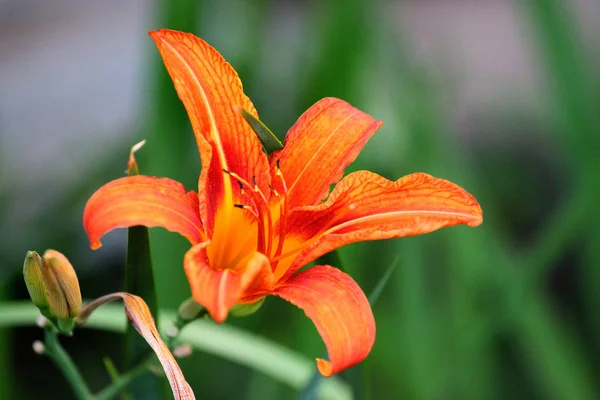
x=139, y=280
x=114, y=376
x=268, y=139
x=376, y=292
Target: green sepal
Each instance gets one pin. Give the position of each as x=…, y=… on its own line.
x=243, y=310
x=268, y=139
x=34, y=280
x=66, y=325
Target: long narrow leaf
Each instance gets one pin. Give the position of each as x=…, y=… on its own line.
x=268, y=139
x=139, y=280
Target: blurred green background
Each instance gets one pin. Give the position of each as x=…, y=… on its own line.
x=499, y=97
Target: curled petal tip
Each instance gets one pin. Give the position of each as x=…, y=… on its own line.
x=477, y=214
x=324, y=367
x=96, y=245
x=340, y=311
x=476, y=222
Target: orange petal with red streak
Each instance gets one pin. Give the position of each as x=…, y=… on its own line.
x=366, y=206
x=320, y=145
x=339, y=310
x=220, y=289
x=142, y=200
x=212, y=95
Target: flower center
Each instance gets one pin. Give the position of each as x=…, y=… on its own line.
x=270, y=231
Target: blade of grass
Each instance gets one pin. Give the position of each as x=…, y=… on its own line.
x=574, y=103
x=383, y=281
x=553, y=353
x=139, y=280
x=342, y=28
x=114, y=377
x=6, y=380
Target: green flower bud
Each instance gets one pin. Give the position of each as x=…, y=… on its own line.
x=62, y=285
x=189, y=310
x=53, y=287
x=32, y=273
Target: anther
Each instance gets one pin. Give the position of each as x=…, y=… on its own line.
x=275, y=192
x=246, y=207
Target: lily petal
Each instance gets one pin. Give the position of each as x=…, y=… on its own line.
x=339, y=310
x=324, y=140
x=366, y=206
x=213, y=97
x=220, y=289
x=142, y=200
x=141, y=318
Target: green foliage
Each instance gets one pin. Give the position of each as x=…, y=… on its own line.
x=139, y=280
x=268, y=139
x=506, y=310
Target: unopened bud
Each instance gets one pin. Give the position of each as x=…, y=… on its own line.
x=53, y=287
x=243, y=310
x=38, y=347
x=62, y=285
x=172, y=331
x=189, y=310
x=32, y=273
x=182, y=351
x=41, y=321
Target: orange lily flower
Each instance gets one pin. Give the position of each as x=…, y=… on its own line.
x=257, y=219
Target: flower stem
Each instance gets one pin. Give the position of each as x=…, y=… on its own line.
x=122, y=381
x=184, y=317
x=65, y=363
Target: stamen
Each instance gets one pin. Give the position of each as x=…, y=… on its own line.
x=258, y=199
x=247, y=207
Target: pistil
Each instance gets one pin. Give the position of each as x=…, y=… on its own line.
x=283, y=210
